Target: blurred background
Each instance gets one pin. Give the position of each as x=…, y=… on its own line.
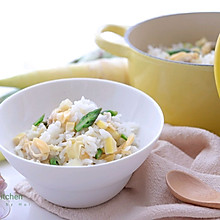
x=48, y=33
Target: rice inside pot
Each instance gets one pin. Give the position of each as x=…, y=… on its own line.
x=202, y=52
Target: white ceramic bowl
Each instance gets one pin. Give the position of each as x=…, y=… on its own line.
x=79, y=187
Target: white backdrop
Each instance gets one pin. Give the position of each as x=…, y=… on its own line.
x=48, y=33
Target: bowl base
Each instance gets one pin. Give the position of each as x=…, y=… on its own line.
x=80, y=199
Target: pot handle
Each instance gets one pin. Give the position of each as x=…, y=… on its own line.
x=115, y=48
x=217, y=65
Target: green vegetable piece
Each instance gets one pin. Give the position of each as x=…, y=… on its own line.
x=113, y=113
x=54, y=161
x=88, y=119
x=93, y=55
x=39, y=120
x=99, y=153
x=124, y=137
x=171, y=52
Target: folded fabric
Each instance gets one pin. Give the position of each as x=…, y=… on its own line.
x=146, y=196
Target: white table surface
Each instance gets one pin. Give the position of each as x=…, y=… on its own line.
x=50, y=33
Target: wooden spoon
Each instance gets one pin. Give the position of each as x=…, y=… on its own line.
x=189, y=189
x=217, y=65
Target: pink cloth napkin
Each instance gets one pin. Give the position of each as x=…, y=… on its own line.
x=146, y=196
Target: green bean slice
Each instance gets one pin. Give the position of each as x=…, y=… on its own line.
x=99, y=153
x=113, y=113
x=39, y=120
x=54, y=161
x=88, y=119
x=171, y=52
x=124, y=137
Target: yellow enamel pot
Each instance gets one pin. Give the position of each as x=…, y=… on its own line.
x=186, y=92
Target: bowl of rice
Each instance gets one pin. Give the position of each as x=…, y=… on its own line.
x=78, y=141
x=171, y=58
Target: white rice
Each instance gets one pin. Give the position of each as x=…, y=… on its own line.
x=61, y=141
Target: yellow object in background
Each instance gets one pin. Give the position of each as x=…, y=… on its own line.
x=186, y=92
x=1, y=156
x=107, y=68
x=217, y=65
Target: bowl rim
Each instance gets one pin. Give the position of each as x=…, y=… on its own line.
x=130, y=29
x=160, y=113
